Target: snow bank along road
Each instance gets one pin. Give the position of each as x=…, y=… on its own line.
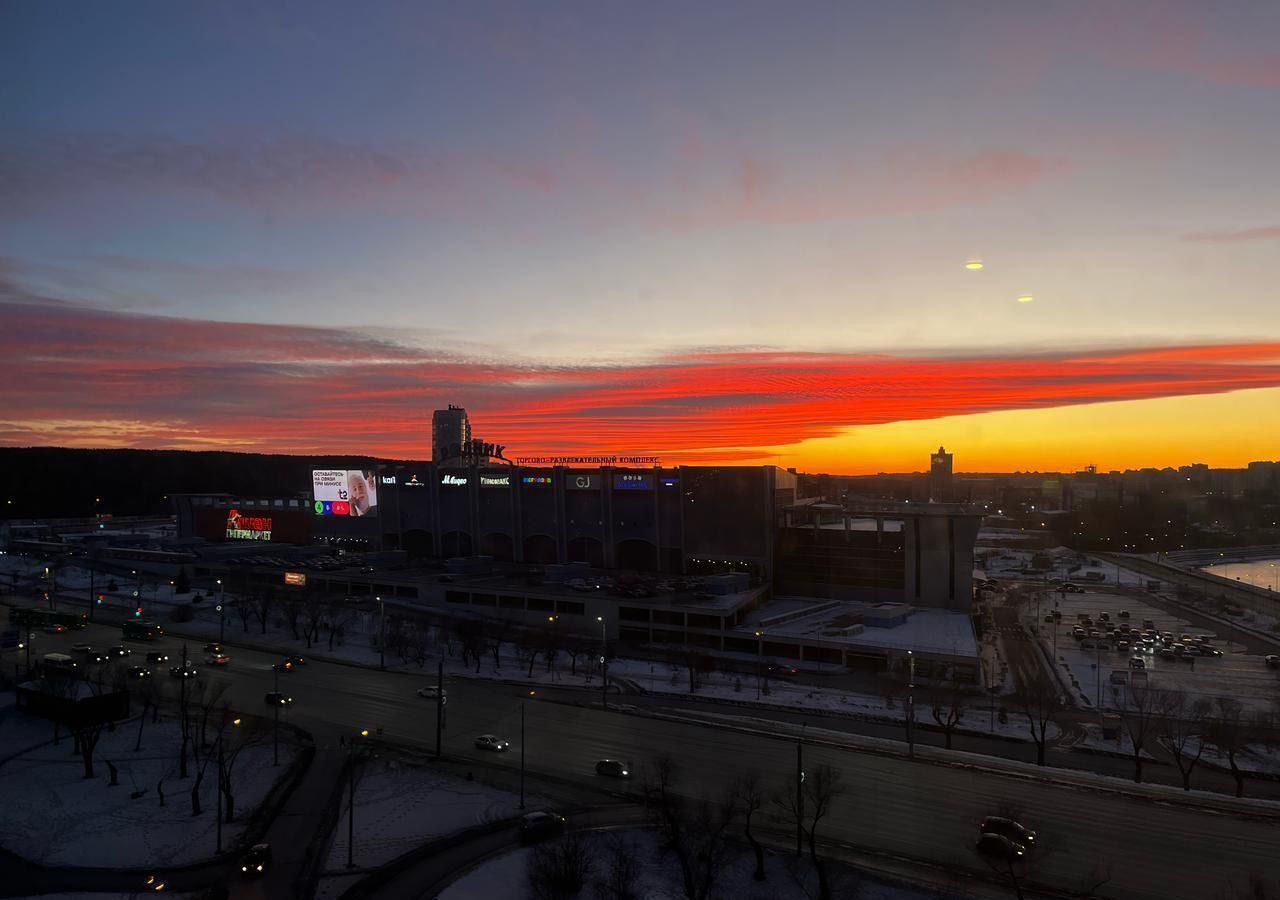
x=892, y=805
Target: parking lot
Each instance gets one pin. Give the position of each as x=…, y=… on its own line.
x=1236, y=673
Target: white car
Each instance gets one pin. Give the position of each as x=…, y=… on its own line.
x=432, y=692
x=492, y=742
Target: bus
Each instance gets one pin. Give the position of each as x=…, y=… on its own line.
x=43, y=618
x=59, y=662
x=141, y=631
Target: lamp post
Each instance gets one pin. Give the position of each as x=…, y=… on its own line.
x=800, y=789
x=759, y=660
x=604, y=664
x=351, y=797
x=275, y=725
x=911, y=703
x=221, y=732
x=382, y=634
x=522, y=745
x=222, y=616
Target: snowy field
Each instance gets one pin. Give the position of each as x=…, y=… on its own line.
x=400, y=807
x=55, y=816
x=656, y=876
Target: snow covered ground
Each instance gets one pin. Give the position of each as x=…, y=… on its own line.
x=399, y=807
x=55, y=816
x=656, y=877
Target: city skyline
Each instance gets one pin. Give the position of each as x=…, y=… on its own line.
x=706, y=237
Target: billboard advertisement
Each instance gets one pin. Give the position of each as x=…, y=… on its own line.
x=344, y=492
x=632, y=482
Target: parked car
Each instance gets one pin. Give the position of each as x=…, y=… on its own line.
x=492, y=742
x=997, y=846
x=1272, y=661
x=155, y=658
x=1166, y=653
x=257, y=860
x=276, y=698
x=1137, y=662
x=537, y=826
x=614, y=768
x=1013, y=830
x=1122, y=646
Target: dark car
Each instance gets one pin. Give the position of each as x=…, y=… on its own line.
x=614, y=768
x=537, y=826
x=257, y=860
x=183, y=671
x=213, y=649
x=97, y=658
x=1014, y=831
x=157, y=659
x=296, y=660
x=118, y=650
x=276, y=698
x=84, y=649
x=997, y=846
x=285, y=665
x=138, y=672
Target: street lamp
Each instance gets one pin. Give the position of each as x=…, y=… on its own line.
x=759, y=660
x=351, y=796
x=222, y=616
x=221, y=732
x=522, y=745
x=911, y=702
x=382, y=634
x=604, y=664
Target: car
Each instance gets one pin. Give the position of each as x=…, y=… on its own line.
x=256, y=860
x=536, y=826
x=118, y=651
x=220, y=659
x=1178, y=648
x=1166, y=653
x=1124, y=614
x=614, y=768
x=492, y=742
x=213, y=649
x=1137, y=662
x=1049, y=618
x=296, y=660
x=1122, y=646
x=137, y=673
x=1104, y=616
x=97, y=658
x=55, y=629
x=1073, y=589
x=1206, y=650
x=1272, y=661
x=782, y=671
x=1013, y=830
x=432, y=692
x=155, y=658
x=276, y=698
x=81, y=648
x=997, y=846
x=187, y=671
x=285, y=665
x=1087, y=645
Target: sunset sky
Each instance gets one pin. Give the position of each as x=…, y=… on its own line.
x=714, y=232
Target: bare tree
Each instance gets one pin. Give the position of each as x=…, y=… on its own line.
x=314, y=606
x=338, y=614
x=1230, y=731
x=236, y=735
x=558, y=870
x=293, y=602
x=471, y=635
x=947, y=700
x=1141, y=712
x=805, y=808
x=497, y=632
x=749, y=794
x=244, y=606
x=1041, y=701
x=1182, y=730
x=528, y=647
x=622, y=873
x=263, y=604
x=696, y=832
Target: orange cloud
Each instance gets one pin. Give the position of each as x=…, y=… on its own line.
x=88, y=377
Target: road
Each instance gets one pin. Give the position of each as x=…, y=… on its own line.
x=893, y=805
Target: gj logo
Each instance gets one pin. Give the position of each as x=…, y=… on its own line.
x=583, y=481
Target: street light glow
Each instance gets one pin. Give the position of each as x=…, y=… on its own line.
x=1026, y=298
x=973, y=265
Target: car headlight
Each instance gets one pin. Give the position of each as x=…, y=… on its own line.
x=259, y=867
x=244, y=868
x=625, y=772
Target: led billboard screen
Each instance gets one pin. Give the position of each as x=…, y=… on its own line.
x=344, y=492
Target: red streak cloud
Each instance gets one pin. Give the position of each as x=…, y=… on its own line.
x=86, y=377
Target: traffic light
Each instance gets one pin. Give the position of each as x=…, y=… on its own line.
x=101, y=597
x=137, y=613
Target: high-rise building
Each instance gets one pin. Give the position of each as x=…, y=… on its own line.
x=449, y=428
x=940, y=475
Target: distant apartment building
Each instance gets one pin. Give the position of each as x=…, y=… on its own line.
x=940, y=475
x=449, y=428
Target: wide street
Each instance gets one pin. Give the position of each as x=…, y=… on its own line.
x=893, y=805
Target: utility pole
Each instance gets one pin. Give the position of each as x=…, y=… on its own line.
x=221, y=731
x=440, y=702
x=382, y=634
x=351, y=796
x=275, y=727
x=911, y=703
x=800, y=792
x=523, y=704
x=91, y=593
x=604, y=665
x=222, y=615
